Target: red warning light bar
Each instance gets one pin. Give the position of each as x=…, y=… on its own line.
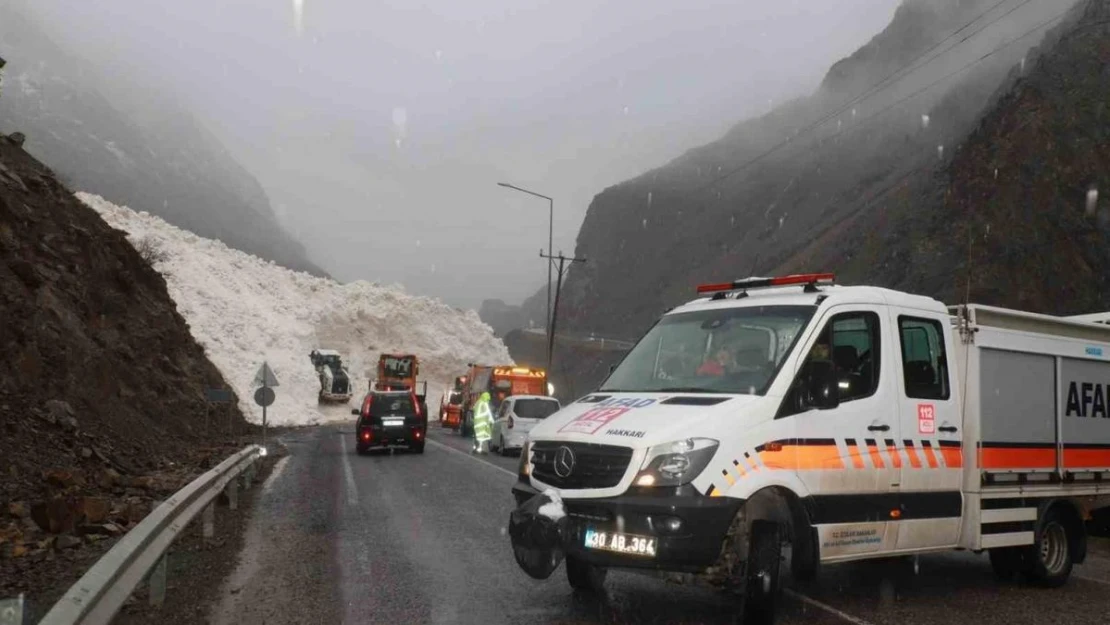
x=758, y=283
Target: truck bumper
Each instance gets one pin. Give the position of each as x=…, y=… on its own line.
x=693, y=547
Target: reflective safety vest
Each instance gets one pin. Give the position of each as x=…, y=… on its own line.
x=483, y=421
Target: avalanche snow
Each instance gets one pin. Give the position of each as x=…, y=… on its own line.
x=244, y=310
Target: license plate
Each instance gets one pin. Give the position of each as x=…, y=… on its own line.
x=620, y=543
x=392, y=423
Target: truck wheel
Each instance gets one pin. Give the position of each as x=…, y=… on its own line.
x=584, y=576
x=501, y=448
x=1050, y=555
x=762, y=585
x=1007, y=562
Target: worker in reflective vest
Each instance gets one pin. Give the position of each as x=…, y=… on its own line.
x=483, y=424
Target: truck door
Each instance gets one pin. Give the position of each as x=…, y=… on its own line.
x=846, y=456
x=932, y=432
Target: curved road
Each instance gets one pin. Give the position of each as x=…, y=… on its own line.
x=406, y=538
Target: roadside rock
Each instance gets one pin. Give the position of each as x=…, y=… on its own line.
x=65, y=541
x=19, y=510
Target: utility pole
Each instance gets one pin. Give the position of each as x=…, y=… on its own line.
x=550, y=243
x=558, y=288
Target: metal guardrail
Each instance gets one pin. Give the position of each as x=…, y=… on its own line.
x=102, y=590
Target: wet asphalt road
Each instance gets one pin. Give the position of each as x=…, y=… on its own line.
x=406, y=538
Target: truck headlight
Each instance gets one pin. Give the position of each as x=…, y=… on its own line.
x=676, y=463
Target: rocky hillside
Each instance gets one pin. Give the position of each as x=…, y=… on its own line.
x=102, y=404
x=754, y=200
x=155, y=156
x=1023, y=203
x=995, y=136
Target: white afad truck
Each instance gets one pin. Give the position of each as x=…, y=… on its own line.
x=791, y=420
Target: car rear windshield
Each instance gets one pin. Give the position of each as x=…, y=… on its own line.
x=382, y=405
x=535, y=408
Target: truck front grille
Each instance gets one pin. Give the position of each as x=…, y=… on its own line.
x=579, y=465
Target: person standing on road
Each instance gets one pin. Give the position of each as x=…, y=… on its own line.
x=483, y=424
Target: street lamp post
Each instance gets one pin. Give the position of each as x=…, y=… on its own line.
x=550, y=244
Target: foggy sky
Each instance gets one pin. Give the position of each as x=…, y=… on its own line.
x=381, y=129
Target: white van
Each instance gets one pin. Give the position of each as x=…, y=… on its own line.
x=833, y=423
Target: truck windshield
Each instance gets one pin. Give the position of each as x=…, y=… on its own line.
x=397, y=367
x=726, y=350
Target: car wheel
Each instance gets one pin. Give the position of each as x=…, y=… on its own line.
x=585, y=577
x=418, y=448
x=501, y=448
x=1049, y=558
x=762, y=583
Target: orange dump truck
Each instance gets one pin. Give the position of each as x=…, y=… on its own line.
x=501, y=382
x=450, y=405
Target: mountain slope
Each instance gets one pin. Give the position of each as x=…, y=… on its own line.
x=102, y=405
x=167, y=163
x=755, y=199
x=1023, y=202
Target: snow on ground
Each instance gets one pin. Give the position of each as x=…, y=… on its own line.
x=244, y=310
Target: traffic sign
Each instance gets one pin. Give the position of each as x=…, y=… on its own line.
x=264, y=396
x=265, y=376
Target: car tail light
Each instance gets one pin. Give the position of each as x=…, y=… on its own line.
x=367, y=435
x=510, y=422
x=419, y=434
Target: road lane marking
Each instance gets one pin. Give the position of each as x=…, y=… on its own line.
x=352, y=490
x=826, y=607
x=1093, y=579
x=466, y=455
x=273, y=478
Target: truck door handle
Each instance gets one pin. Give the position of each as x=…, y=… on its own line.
x=878, y=428
x=947, y=428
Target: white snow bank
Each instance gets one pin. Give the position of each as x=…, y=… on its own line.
x=243, y=310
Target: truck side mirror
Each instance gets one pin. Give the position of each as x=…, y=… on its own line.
x=824, y=389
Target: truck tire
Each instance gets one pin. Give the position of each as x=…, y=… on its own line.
x=762, y=583
x=1007, y=562
x=1049, y=557
x=585, y=577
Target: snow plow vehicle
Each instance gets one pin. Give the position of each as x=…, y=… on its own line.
x=451, y=403
x=500, y=382
x=335, y=382
x=844, y=422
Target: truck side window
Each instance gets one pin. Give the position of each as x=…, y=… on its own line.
x=924, y=364
x=851, y=341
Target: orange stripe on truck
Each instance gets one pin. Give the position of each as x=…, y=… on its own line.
x=801, y=455
x=1002, y=456
x=1086, y=458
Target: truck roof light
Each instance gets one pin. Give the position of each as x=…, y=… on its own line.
x=807, y=279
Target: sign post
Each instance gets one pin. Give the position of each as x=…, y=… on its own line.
x=264, y=396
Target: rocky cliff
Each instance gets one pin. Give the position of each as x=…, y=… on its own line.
x=102, y=405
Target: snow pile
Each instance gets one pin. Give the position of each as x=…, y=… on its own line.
x=244, y=310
